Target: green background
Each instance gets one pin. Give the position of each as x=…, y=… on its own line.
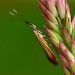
x=20, y=52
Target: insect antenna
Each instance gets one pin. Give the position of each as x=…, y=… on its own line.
x=16, y=14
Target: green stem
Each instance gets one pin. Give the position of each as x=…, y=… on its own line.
x=59, y=22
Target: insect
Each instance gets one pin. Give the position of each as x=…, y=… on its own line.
x=40, y=37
